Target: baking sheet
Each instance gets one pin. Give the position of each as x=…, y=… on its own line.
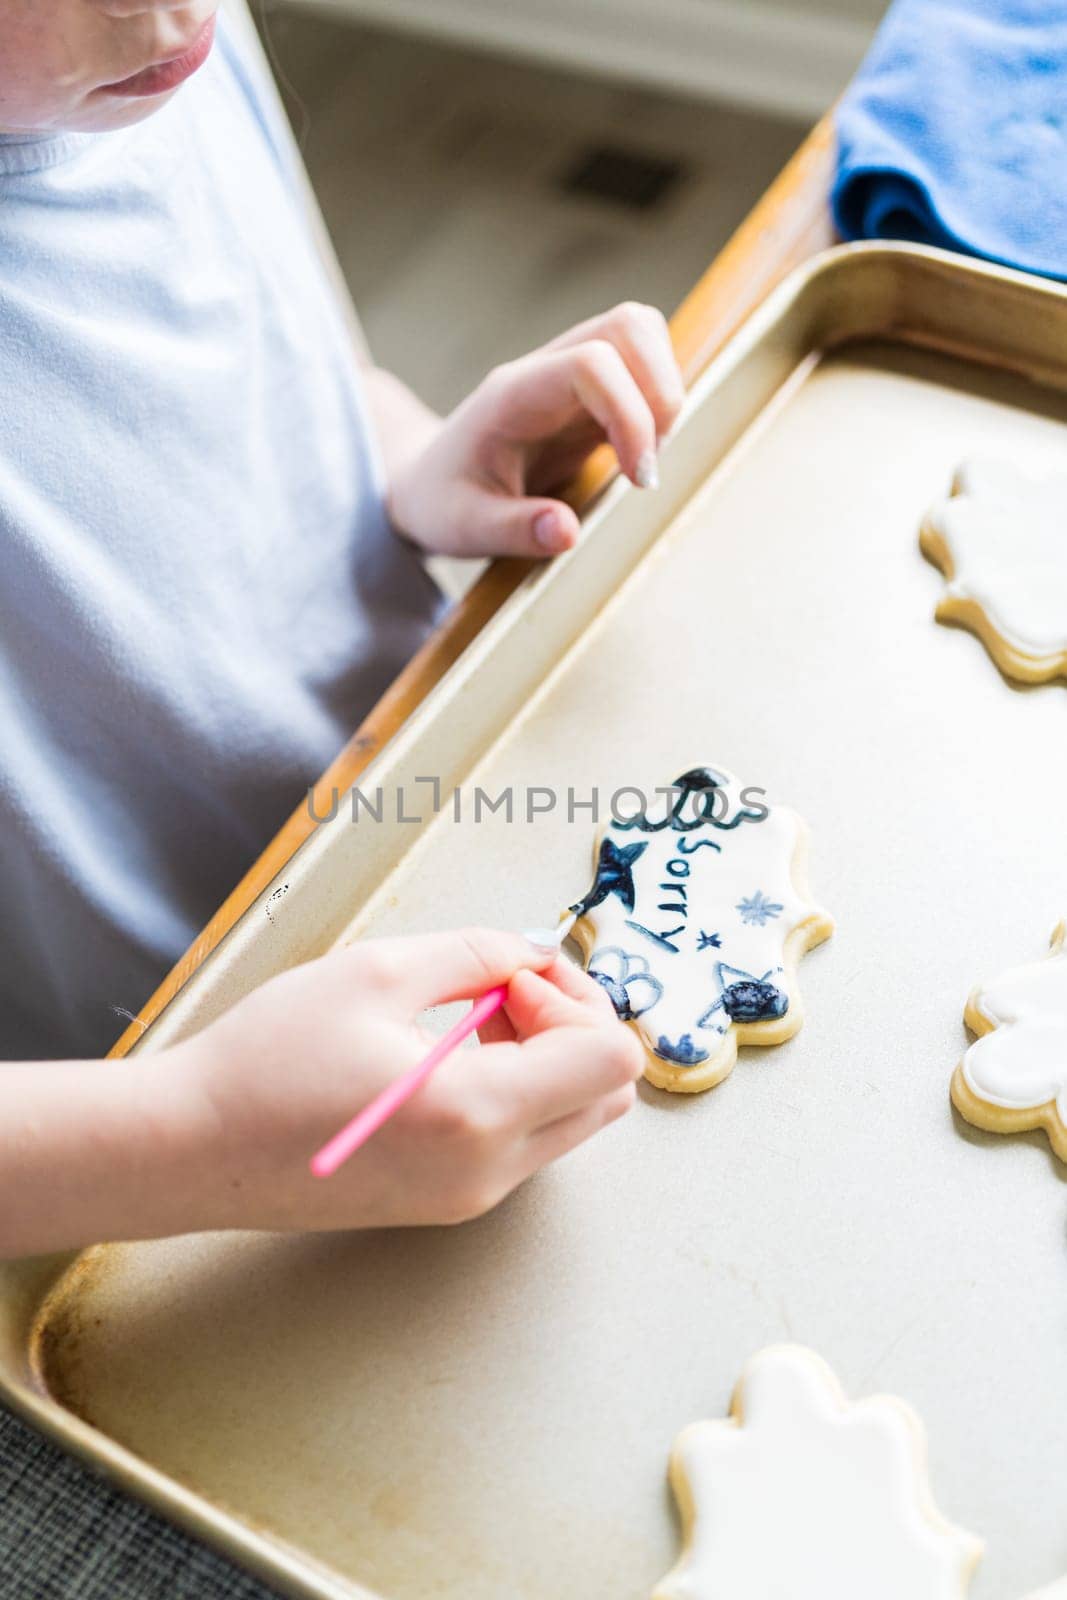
x=487, y=1411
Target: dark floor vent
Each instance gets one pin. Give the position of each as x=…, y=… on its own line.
x=621, y=177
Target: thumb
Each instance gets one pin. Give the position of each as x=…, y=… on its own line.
x=552, y=525
x=535, y=1005
x=498, y=524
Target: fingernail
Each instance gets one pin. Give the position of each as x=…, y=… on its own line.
x=546, y=530
x=647, y=474
x=542, y=938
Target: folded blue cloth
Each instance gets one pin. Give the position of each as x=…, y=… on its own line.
x=954, y=132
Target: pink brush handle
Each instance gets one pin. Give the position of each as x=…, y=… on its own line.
x=382, y=1107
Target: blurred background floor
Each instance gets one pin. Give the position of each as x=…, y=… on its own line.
x=479, y=205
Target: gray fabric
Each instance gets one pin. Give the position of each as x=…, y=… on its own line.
x=66, y=1535
x=200, y=593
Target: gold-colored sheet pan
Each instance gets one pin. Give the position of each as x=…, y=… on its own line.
x=487, y=1411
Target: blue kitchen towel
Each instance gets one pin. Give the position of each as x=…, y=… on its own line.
x=954, y=132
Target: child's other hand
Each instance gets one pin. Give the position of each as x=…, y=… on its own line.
x=485, y=482
x=289, y=1065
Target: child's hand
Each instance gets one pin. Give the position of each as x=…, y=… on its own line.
x=483, y=483
x=288, y=1066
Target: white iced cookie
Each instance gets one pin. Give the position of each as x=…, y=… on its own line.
x=1001, y=542
x=695, y=923
x=1014, y=1076
x=1053, y=1591
x=800, y=1493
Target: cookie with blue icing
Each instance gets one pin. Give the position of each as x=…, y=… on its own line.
x=694, y=924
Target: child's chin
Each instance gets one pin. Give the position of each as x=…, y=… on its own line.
x=105, y=113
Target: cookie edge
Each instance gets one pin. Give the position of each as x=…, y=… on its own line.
x=986, y=1114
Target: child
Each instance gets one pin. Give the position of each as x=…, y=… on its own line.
x=210, y=523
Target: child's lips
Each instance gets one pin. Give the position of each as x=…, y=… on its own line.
x=166, y=75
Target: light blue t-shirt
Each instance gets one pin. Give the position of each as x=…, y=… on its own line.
x=200, y=594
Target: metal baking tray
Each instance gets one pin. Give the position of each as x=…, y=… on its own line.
x=488, y=1410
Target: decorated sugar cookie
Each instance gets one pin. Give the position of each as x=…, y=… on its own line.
x=1014, y=1076
x=1053, y=1591
x=800, y=1493
x=695, y=923
x=1001, y=542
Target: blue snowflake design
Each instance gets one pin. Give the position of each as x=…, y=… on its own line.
x=758, y=910
x=709, y=941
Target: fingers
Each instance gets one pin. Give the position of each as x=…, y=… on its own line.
x=605, y=387
x=564, y=996
x=548, y=1144
x=536, y=419
x=485, y=520
x=560, y=1071
x=642, y=338
x=576, y=982
x=541, y=396
x=560, y=995
x=433, y=968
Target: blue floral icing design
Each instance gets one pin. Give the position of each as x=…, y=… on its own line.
x=624, y=976
x=683, y=1052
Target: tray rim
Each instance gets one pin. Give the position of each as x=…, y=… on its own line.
x=35, y=1281
x=834, y=288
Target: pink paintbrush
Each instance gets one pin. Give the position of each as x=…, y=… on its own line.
x=384, y=1105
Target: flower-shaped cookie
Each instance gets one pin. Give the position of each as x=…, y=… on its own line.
x=1014, y=1076
x=695, y=922
x=1001, y=541
x=800, y=1493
